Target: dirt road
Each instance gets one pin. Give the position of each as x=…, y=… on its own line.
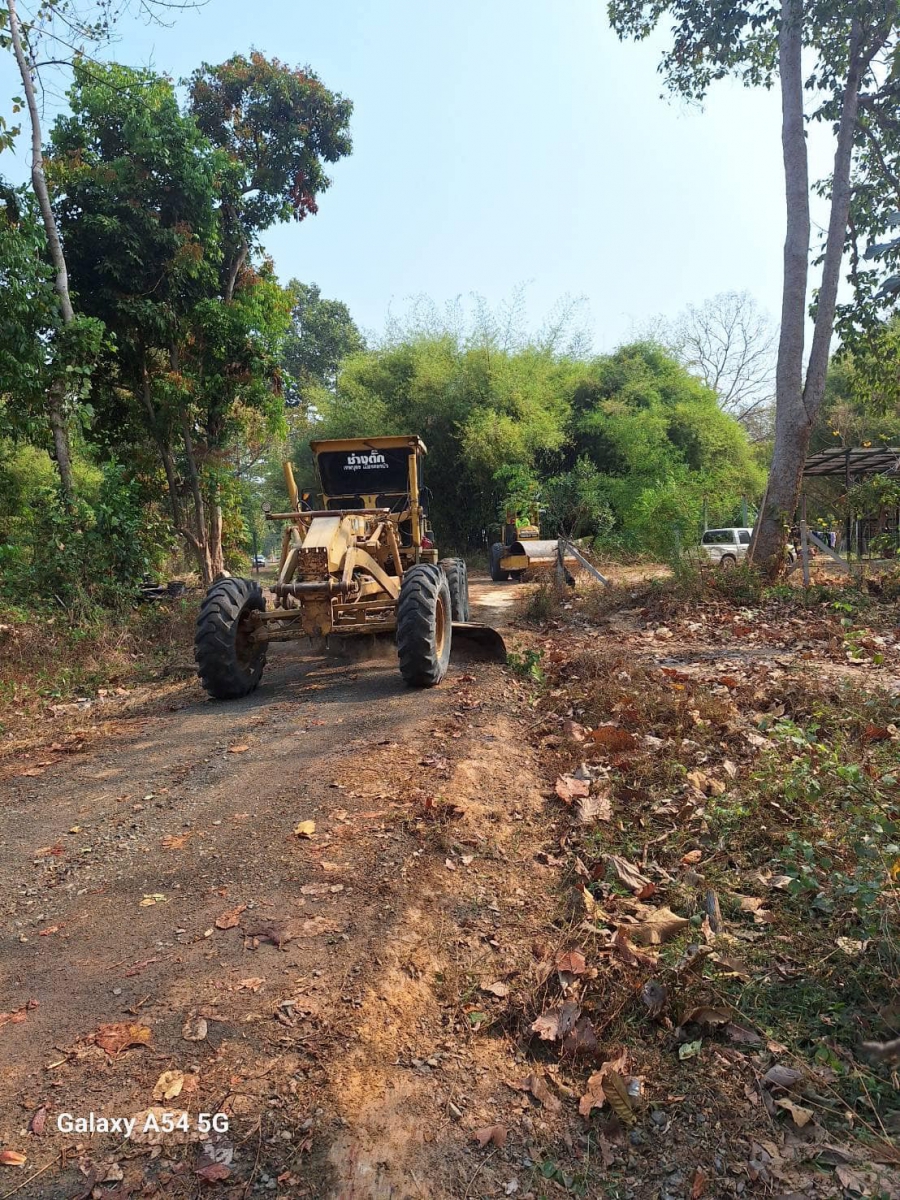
x=155, y=880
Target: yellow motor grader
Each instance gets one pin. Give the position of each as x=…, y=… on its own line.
x=361, y=564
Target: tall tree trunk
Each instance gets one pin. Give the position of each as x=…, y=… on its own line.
x=796, y=404
x=216, y=552
x=56, y=415
x=233, y=271
x=56, y=398
x=198, y=538
x=163, y=446
x=787, y=459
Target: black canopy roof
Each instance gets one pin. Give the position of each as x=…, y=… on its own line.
x=862, y=460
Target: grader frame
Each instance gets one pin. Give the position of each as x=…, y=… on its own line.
x=362, y=564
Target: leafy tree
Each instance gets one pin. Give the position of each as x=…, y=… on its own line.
x=37, y=351
x=477, y=408
x=278, y=127
x=321, y=336
x=662, y=443
x=148, y=206
x=30, y=314
x=137, y=210
x=760, y=42
x=626, y=446
x=71, y=26
x=576, y=503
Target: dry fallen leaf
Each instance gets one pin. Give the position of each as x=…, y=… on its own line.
x=568, y=788
x=253, y=984
x=12, y=1158
x=595, y=1097
x=801, y=1116
x=657, y=928
x=493, y=1134
x=229, y=919
x=213, y=1172
x=117, y=1036
x=569, y=965
x=616, y=1091
x=698, y=780
x=175, y=841
x=698, y=1183
x=38, y=1121
x=582, y=1042
x=631, y=957
x=612, y=738
x=597, y=807
x=305, y=829
x=277, y=932
x=169, y=1085
x=151, y=899
x=591, y=906
x=783, y=1077
x=627, y=873
x=194, y=1029
x=556, y=1022
x=853, y=1180
x=654, y=996
x=741, y=1035
x=705, y=1015
x=498, y=989
x=542, y=1093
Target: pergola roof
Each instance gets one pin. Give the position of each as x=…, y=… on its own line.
x=862, y=460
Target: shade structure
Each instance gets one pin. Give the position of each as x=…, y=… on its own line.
x=854, y=462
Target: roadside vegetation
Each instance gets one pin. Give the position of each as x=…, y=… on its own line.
x=728, y=761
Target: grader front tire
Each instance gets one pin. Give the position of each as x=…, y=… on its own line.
x=229, y=663
x=458, y=581
x=424, y=623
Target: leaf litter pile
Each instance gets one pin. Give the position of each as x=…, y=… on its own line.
x=723, y=998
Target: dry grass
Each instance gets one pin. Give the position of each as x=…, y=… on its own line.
x=47, y=662
x=702, y=808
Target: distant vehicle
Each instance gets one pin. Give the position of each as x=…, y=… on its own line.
x=259, y=560
x=728, y=547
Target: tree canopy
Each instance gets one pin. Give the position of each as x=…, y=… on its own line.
x=624, y=447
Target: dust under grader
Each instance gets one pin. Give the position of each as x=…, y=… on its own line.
x=363, y=564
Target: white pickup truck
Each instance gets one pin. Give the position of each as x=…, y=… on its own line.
x=726, y=547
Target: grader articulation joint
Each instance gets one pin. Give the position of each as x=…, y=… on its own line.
x=363, y=563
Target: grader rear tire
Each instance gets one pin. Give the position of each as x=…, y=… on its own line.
x=458, y=581
x=229, y=664
x=424, y=623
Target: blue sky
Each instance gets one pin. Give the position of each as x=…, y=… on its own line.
x=501, y=143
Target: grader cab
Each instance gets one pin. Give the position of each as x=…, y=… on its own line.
x=363, y=563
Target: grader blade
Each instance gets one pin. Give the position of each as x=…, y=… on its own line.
x=481, y=641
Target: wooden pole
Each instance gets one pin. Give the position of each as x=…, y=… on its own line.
x=804, y=540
